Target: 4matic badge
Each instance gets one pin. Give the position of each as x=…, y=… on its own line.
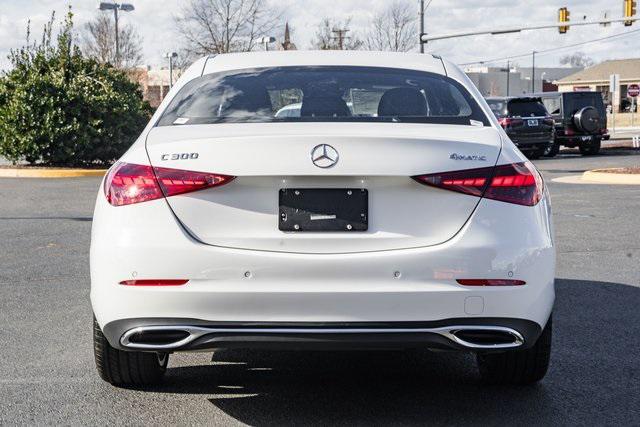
x=456, y=156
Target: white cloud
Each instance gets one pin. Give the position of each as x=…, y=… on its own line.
x=154, y=21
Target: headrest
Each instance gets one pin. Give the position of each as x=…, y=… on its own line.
x=333, y=106
x=402, y=102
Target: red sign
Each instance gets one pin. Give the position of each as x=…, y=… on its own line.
x=633, y=90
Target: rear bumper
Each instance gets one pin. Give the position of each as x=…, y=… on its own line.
x=525, y=142
x=169, y=335
x=575, y=141
x=239, y=287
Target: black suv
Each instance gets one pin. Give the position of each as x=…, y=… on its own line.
x=526, y=122
x=580, y=120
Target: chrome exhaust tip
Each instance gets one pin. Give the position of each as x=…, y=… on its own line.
x=485, y=337
x=157, y=337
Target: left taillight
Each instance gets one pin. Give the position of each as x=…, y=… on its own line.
x=128, y=183
x=518, y=183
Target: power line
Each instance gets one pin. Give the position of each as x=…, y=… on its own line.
x=545, y=51
x=427, y=6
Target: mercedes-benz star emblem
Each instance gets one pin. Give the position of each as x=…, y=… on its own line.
x=324, y=156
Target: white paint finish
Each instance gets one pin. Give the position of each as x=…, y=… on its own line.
x=276, y=149
x=239, y=61
x=146, y=239
x=474, y=305
x=378, y=157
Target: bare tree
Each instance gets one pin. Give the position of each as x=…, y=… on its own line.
x=393, y=29
x=577, y=59
x=99, y=42
x=335, y=35
x=221, y=26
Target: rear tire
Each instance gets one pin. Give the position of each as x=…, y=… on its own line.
x=126, y=368
x=552, y=150
x=518, y=366
x=590, y=149
x=535, y=154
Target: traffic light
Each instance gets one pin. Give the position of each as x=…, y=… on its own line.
x=563, y=16
x=629, y=11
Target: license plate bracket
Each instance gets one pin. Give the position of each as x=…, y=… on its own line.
x=323, y=209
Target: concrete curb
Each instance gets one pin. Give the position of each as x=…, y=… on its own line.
x=598, y=175
x=49, y=173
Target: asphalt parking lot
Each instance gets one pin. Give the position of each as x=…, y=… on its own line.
x=47, y=374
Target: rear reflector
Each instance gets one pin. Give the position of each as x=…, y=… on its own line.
x=154, y=282
x=491, y=282
x=518, y=183
x=128, y=183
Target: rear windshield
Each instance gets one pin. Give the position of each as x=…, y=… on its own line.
x=576, y=101
x=526, y=108
x=499, y=107
x=325, y=94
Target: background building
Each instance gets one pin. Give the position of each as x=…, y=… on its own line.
x=494, y=81
x=154, y=83
x=597, y=78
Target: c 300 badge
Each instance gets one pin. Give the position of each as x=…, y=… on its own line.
x=180, y=156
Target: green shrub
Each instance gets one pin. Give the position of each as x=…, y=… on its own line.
x=59, y=108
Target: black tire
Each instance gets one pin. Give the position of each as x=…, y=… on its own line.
x=591, y=148
x=518, y=366
x=126, y=368
x=535, y=154
x=552, y=150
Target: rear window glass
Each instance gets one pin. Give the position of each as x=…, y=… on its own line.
x=576, y=101
x=498, y=107
x=327, y=94
x=528, y=108
x=552, y=105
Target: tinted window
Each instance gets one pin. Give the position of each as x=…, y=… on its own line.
x=552, y=105
x=576, y=101
x=498, y=106
x=323, y=94
x=526, y=108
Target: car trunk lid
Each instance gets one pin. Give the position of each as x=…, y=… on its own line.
x=267, y=158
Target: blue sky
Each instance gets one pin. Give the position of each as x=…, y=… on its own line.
x=154, y=21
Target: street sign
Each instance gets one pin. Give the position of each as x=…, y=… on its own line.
x=614, y=82
x=633, y=90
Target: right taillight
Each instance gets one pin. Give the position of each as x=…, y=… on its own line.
x=518, y=183
x=505, y=122
x=128, y=183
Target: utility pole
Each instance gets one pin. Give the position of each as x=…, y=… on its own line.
x=421, y=25
x=170, y=56
x=508, y=75
x=533, y=71
x=115, y=14
x=340, y=36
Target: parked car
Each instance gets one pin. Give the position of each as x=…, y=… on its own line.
x=580, y=120
x=407, y=223
x=526, y=122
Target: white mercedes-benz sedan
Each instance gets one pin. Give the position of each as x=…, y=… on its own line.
x=386, y=209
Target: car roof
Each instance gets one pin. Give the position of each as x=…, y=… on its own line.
x=236, y=61
x=540, y=94
x=511, y=98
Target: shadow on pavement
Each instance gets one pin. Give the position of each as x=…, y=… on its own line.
x=594, y=377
